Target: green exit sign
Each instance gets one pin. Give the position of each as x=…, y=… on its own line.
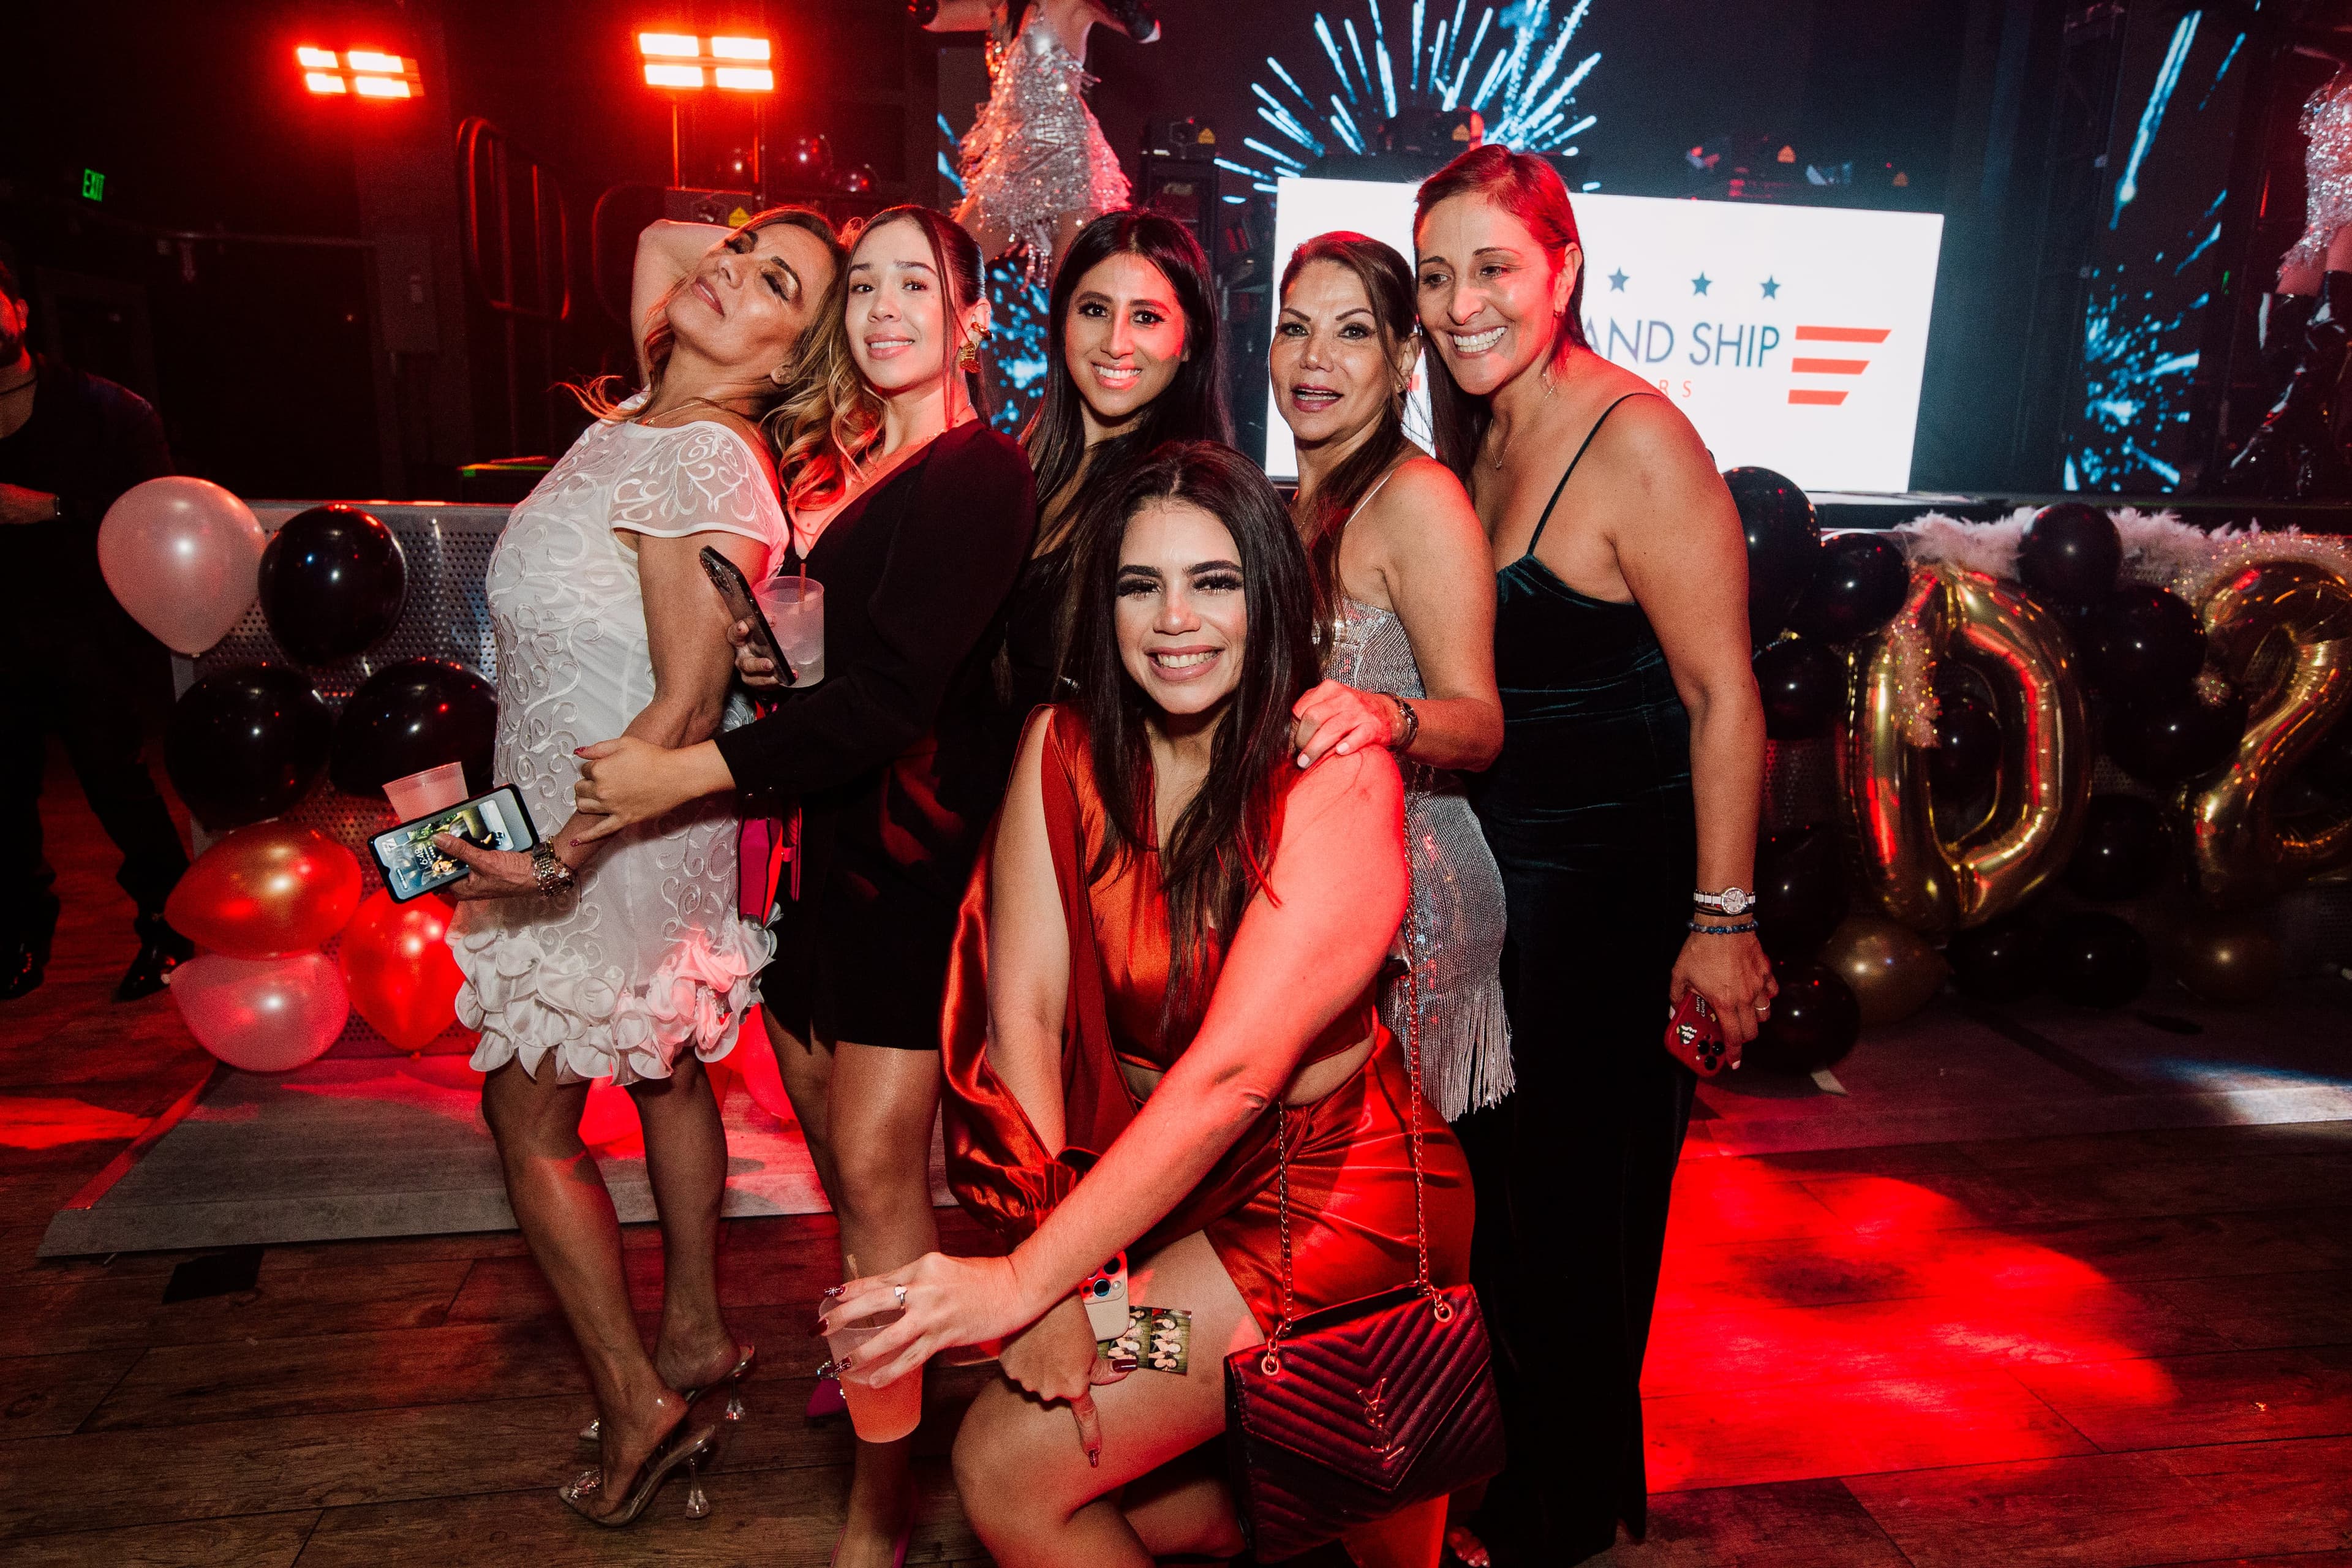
x=93, y=185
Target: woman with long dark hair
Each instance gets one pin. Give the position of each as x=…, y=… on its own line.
x=915, y=516
x=1171, y=943
x=1407, y=603
x=1621, y=812
x=1132, y=362
x=626, y=957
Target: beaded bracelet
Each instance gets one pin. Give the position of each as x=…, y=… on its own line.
x=1742, y=929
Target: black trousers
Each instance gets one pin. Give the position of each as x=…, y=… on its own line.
x=1575, y=1170
x=94, y=688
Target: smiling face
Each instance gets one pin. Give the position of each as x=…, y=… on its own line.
x=1122, y=341
x=1333, y=377
x=1183, y=618
x=748, y=301
x=1491, y=299
x=898, y=310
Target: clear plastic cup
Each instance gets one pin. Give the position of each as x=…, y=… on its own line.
x=881, y=1415
x=794, y=606
x=421, y=795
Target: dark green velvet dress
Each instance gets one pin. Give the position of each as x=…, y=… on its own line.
x=1589, y=813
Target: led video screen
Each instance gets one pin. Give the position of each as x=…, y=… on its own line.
x=1793, y=338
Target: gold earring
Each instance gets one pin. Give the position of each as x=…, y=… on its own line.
x=969, y=358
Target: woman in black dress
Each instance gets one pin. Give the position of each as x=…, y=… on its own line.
x=916, y=517
x=1630, y=780
x=1132, y=362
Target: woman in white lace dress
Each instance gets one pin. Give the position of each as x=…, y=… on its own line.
x=627, y=958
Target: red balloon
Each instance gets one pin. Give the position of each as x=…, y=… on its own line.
x=270, y=890
x=396, y=963
x=269, y=1014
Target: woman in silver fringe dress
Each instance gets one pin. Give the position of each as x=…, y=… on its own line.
x=1036, y=166
x=1409, y=603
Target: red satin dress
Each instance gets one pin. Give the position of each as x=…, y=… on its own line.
x=1352, y=1200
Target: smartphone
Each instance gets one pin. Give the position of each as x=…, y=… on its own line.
x=1694, y=1035
x=413, y=864
x=736, y=589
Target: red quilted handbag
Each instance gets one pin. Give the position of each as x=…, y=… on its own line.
x=1344, y=1417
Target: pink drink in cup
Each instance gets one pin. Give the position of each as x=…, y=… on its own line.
x=422, y=795
x=881, y=1415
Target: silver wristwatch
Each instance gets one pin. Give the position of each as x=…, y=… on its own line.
x=1730, y=902
x=554, y=876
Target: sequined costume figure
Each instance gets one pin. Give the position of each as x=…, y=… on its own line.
x=1457, y=894
x=2327, y=164
x=1035, y=153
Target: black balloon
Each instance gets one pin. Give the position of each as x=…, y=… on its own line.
x=1856, y=589
x=2145, y=644
x=2004, y=960
x=1966, y=757
x=2122, y=851
x=1803, y=683
x=332, y=582
x=1815, y=1020
x=2070, y=553
x=2165, y=742
x=246, y=744
x=2097, y=960
x=2328, y=768
x=1783, y=545
x=411, y=716
x=1800, y=892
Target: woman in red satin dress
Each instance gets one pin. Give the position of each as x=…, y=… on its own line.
x=1115, y=1063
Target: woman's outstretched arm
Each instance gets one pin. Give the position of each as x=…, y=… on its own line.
x=1028, y=948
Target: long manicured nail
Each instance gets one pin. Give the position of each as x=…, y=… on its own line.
x=1094, y=1457
x=841, y=1368
x=1302, y=759
x=818, y=1332
x=831, y=1292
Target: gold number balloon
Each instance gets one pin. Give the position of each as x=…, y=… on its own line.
x=1930, y=884
x=2282, y=630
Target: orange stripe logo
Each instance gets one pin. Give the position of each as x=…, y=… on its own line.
x=1830, y=398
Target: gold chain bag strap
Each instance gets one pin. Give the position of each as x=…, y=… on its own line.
x=1348, y=1415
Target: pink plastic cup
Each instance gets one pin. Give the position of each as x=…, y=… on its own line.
x=421, y=795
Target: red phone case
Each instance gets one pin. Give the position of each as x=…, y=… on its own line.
x=1694, y=1035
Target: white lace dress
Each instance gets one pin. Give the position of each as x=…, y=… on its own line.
x=647, y=957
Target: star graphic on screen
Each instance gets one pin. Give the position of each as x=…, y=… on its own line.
x=1699, y=283
x=1771, y=289
x=1617, y=281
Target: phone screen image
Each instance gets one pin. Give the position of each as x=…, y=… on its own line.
x=414, y=864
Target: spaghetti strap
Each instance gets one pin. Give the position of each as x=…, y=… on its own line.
x=1536, y=538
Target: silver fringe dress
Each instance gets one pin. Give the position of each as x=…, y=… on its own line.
x=1457, y=894
x=2328, y=166
x=1035, y=152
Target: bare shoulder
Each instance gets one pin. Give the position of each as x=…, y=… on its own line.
x=1423, y=506
x=1649, y=435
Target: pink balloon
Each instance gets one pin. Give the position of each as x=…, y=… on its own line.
x=262, y=1015
x=183, y=556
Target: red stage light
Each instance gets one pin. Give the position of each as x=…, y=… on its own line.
x=364, y=73
x=691, y=61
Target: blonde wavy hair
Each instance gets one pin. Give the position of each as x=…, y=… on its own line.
x=596, y=395
x=829, y=420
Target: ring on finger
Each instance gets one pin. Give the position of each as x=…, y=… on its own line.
x=902, y=1298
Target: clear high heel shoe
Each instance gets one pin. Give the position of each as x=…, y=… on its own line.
x=691, y=1446
x=747, y=1356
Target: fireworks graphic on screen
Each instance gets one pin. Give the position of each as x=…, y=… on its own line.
x=1511, y=63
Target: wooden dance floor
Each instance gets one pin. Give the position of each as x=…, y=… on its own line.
x=2102, y=1346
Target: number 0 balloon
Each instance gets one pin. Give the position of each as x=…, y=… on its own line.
x=1933, y=885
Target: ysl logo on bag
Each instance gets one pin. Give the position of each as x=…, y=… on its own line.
x=1376, y=1411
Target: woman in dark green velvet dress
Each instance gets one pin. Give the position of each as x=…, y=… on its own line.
x=1631, y=777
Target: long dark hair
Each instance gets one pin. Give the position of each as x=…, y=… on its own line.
x=1529, y=189
x=1216, y=855
x=1388, y=286
x=1193, y=408
x=830, y=419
